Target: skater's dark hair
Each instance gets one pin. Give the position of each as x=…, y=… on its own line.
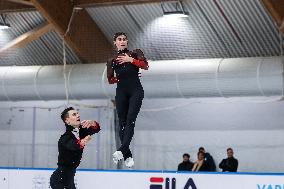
x=65, y=113
x=118, y=34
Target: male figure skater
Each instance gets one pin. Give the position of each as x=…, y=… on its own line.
x=70, y=148
x=129, y=92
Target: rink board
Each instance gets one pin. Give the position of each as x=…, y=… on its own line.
x=25, y=178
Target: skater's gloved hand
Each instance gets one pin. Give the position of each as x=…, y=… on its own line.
x=89, y=123
x=121, y=59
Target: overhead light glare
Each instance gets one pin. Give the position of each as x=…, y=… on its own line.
x=177, y=14
x=4, y=26
x=3, y=23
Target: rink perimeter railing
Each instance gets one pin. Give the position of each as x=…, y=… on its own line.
x=30, y=178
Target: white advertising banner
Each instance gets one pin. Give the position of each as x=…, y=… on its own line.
x=97, y=179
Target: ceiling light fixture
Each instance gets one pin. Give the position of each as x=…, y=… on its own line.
x=178, y=11
x=3, y=23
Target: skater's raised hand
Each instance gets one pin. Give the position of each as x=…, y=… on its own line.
x=89, y=123
x=124, y=58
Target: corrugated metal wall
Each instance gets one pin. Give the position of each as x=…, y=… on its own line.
x=44, y=51
x=213, y=29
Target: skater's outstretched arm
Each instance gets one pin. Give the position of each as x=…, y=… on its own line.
x=89, y=127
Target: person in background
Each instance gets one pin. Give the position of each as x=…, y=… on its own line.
x=209, y=159
x=186, y=165
x=201, y=164
x=230, y=164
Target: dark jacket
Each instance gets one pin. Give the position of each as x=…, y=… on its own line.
x=205, y=167
x=185, y=166
x=70, y=151
x=210, y=162
x=229, y=164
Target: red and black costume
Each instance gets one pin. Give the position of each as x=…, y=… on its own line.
x=69, y=157
x=129, y=93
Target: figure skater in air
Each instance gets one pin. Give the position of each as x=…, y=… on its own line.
x=129, y=92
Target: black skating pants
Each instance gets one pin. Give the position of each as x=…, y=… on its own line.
x=128, y=104
x=63, y=178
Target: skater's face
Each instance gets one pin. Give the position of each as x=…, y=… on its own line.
x=121, y=42
x=73, y=118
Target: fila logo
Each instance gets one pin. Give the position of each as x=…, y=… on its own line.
x=157, y=183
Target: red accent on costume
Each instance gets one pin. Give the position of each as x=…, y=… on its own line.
x=113, y=80
x=95, y=127
x=79, y=142
x=140, y=63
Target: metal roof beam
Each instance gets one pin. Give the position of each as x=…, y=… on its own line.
x=9, y=7
x=23, y=2
x=276, y=9
x=84, y=36
x=27, y=38
x=91, y=3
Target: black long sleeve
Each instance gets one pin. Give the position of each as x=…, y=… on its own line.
x=210, y=161
x=185, y=166
x=110, y=72
x=229, y=164
x=67, y=142
x=70, y=152
x=90, y=131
